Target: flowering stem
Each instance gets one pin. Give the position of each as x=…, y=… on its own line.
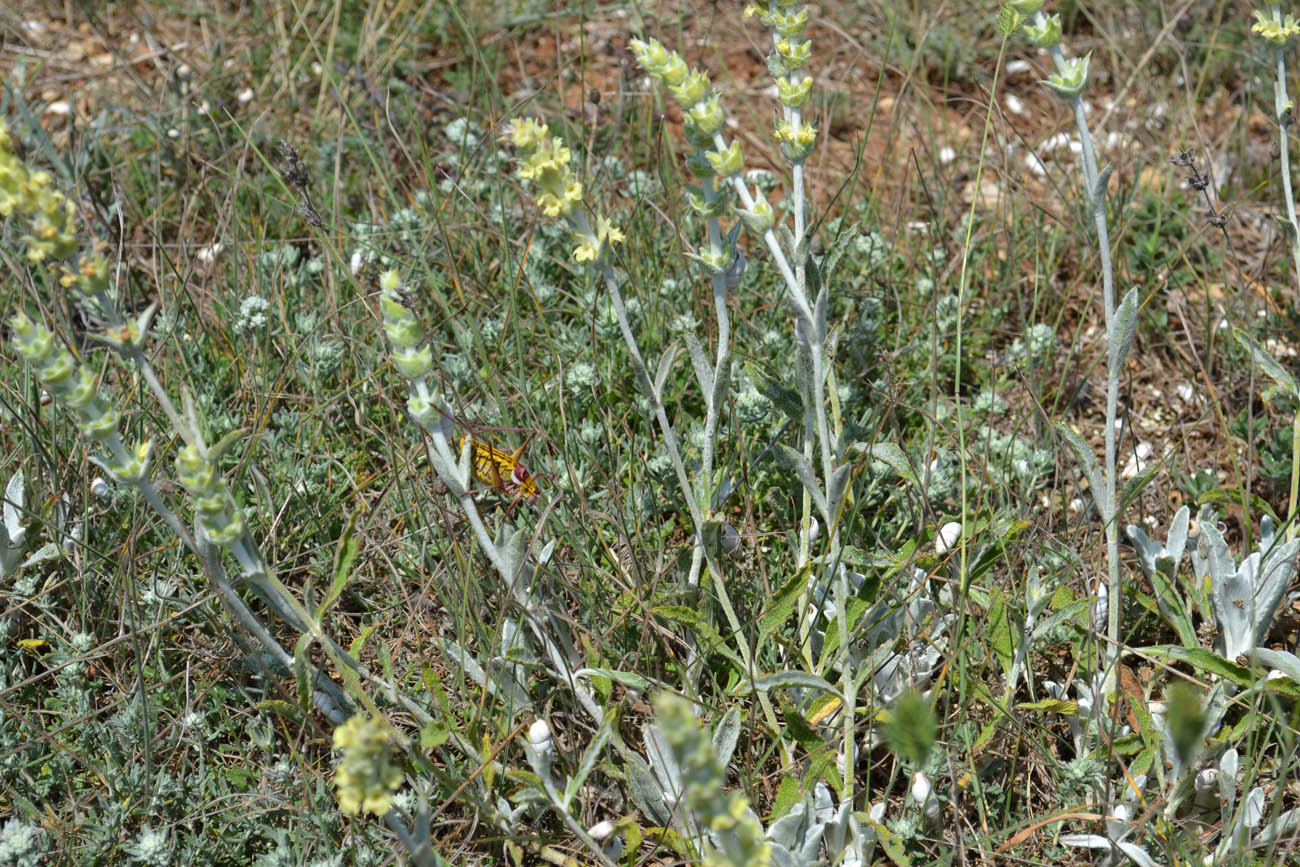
x=1282, y=112
x=683, y=480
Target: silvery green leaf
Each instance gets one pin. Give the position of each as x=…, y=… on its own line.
x=781, y=857
x=1065, y=614
x=1252, y=808
x=1277, y=570
x=1135, y=486
x=1160, y=565
x=724, y=490
x=800, y=679
x=461, y=474
x=1284, y=661
x=544, y=556
x=798, y=252
x=1099, y=191
x=893, y=457
x=1288, y=228
x=1123, y=326
x=1086, y=841
x=1231, y=601
x=511, y=637
x=822, y=803
x=725, y=735
x=466, y=662
x=1228, y=785
x=663, y=764
x=1267, y=363
x=14, y=501
x=48, y=551
x=590, y=756
x=513, y=549
x=647, y=794
x=1284, y=826
x=804, y=471
x=839, y=482
x=1148, y=552
x=703, y=370
x=444, y=425
x=721, y=382
x=785, y=830
x=1210, y=557
x=626, y=678
x=1137, y=855
x=1267, y=532
x=1088, y=462
x=1178, y=539
x=800, y=831
x=823, y=301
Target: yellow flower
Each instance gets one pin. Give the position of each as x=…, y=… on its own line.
x=524, y=133
x=366, y=777
x=1273, y=28
x=587, y=250
x=591, y=245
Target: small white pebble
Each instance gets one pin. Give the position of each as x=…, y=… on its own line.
x=1075, y=506
x=246, y=95
x=946, y=155
x=1016, y=67
x=1059, y=140
x=1035, y=165
x=210, y=253
x=1076, y=146
x=100, y=489
x=205, y=109
x=1014, y=104
x=34, y=27
x=62, y=109
x=1185, y=391
x=173, y=133
x=184, y=72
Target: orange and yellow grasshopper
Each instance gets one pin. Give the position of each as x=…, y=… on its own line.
x=501, y=471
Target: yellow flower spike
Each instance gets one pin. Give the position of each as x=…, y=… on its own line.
x=103, y=427
x=366, y=777
x=1273, y=28
x=794, y=94
x=674, y=70
x=692, y=89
